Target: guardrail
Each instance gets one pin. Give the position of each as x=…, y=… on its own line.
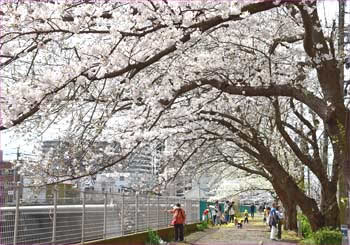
x=92, y=216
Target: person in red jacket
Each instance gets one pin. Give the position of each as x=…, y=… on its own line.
x=178, y=221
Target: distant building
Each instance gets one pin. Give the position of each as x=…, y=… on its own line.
x=8, y=179
x=201, y=188
x=182, y=183
x=141, y=171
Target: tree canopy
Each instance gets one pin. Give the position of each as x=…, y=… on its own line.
x=263, y=76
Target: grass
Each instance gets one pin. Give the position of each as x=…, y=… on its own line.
x=308, y=241
x=291, y=236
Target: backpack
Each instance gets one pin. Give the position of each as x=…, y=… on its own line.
x=274, y=219
x=179, y=217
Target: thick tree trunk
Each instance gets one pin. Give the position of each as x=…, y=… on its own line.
x=308, y=205
x=291, y=217
x=290, y=207
x=330, y=209
x=329, y=216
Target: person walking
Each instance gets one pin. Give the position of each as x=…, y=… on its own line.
x=213, y=213
x=218, y=213
x=252, y=210
x=227, y=208
x=232, y=212
x=273, y=219
x=267, y=215
x=178, y=221
x=280, y=221
x=246, y=215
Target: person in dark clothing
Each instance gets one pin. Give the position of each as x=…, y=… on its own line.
x=218, y=212
x=252, y=210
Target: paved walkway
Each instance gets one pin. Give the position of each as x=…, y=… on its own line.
x=254, y=233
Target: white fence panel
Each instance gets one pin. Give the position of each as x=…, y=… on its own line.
x=43, y=220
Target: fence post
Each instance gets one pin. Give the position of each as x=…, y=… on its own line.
x=83, y=220
x=188, y=213
x=136, y=211
x=199, y=212
x=166, y=214
x=105, y=216
x=148, y=211
x=158, y=212
x=122, y=216
x=15, y=232
x=54, y=218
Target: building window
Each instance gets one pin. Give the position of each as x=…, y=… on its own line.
x=121, y=178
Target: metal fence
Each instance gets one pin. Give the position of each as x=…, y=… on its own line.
x=85, y=216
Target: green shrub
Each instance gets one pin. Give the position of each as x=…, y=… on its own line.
x=200, y=227
x=153, y=237
x=204, y=224
x=308, y=241
x=327, y=236
x=305, y=226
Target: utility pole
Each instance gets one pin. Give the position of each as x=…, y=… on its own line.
x=341, y=45
x=344, y=178
x=15, y=173
x=342, y=184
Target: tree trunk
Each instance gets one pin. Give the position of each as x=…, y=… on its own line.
x=291, y=216
x=308, y=205
x=290, y=207
x=330, y=209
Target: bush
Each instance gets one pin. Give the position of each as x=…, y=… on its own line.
x=305, y=226
x=202, y=226
x=205, y=224
x=308, y=241
x=153, y=238
x=327, y=236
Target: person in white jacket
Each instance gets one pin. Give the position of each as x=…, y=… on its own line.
x=213, y=213
x=274, y=220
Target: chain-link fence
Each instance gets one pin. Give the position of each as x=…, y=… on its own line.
x=43, y=216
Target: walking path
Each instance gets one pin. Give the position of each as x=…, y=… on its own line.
x=254, y=233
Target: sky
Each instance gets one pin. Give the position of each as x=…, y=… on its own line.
x=9, y=142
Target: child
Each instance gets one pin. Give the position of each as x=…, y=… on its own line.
x=223, y=220
x=206, y=215
x=240, y=224
x=246, y=216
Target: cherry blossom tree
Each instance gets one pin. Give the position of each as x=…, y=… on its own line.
x=137, y=73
